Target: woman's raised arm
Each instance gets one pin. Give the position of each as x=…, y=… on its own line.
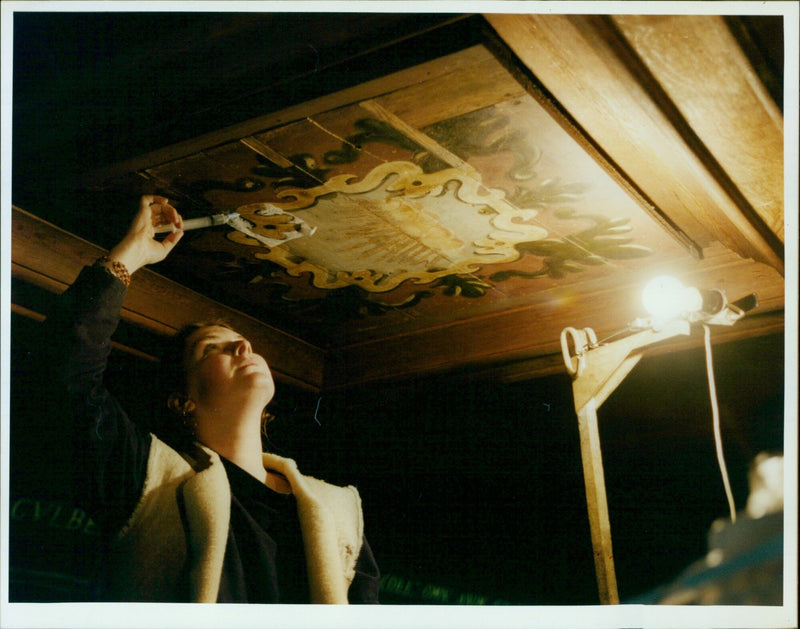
x=139, y=246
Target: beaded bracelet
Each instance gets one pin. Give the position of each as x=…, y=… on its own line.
x=116, y=268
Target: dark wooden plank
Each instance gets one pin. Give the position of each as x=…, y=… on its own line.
x=522, y=341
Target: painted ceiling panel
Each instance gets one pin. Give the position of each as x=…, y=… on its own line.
x=464, y=206
x=412, y=226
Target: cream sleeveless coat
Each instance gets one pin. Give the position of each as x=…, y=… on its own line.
x=183, y=516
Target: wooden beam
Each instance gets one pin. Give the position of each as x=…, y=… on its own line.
x=472, y=80
x=721, y=98
x=516, y=345
x=50, y=258
x=596, y=78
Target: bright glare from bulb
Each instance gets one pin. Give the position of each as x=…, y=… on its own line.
x=666, y=298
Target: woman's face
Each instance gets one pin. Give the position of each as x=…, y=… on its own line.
x=221, y=369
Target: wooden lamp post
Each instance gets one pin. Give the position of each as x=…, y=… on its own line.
x=598, y=369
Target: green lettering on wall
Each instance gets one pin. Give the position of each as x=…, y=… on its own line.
x=57, y=514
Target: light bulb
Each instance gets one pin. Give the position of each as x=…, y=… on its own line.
x=666, y=298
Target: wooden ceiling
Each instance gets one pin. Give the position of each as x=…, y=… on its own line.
x=475, y=183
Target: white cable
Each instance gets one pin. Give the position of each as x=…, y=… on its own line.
x=712, y=389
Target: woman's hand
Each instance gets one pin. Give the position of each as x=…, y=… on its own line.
x=139, y=246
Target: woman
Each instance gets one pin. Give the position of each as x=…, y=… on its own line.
x=199, y=513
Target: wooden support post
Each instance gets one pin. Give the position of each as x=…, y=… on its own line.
x=597, y=371
x=597, y=504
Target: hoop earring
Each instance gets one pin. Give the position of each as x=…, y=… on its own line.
x=266, y=418
x=182, y=406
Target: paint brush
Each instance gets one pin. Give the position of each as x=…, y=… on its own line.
x=199, y=223
x=233, y=219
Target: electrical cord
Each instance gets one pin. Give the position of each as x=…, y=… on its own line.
x=712, y=389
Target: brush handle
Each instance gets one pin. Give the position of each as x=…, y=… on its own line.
x=199, y=223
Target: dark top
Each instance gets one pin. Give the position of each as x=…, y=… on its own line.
x=264, y=560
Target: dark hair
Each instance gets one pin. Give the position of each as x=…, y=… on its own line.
x=169, y=424
x=172, y=378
